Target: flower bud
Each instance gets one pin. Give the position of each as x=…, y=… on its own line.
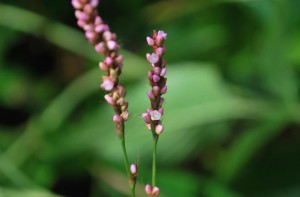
x=160, y=51
x=161, y=101
x=157, y=70
x=117, y=118
x=146, y=118
x=155, y=191
x=107, y=85
x=148, y=126
x=88, y=8
x=148, y=189
x=112, y=45
x=109, y=99
x=109, y=61
x=151, y=96
x=155, y=78
x=163, y=72
x=98, y=20
x=107, y=35
x=153, y=58
x=125, y=115
x=103, y=66
x=150, y=41
x=94, y=3
x=100, y=47
x=133, y=169
x=155, y=90
x=163, y=90
x=76, y=4
x=159, y=129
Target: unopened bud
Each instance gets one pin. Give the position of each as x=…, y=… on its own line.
x=150, y=41
x=117, y=118
x=159, y=129
x=148, y=189
x=155, y=191
x=146, y=118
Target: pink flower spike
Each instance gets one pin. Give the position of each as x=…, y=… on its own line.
x=112, y=45
x=148, y=189
x=150, y=41
x=107, y=85
x=117, y=118
x=153, y=58
x=155, y=191
x=156, y=78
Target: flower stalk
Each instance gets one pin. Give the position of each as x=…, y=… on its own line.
x=157, y=81
x=104, y=41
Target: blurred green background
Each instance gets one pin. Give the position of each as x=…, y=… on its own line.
x=232, y=112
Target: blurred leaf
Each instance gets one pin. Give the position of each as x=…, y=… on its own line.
x=7, y=192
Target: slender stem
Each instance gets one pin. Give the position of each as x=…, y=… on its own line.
x=155, y=139
x=126, y=162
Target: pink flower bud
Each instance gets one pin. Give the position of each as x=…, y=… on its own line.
x=157, y=70
x=121, y=90
x=103, y=66
x=81, y=23
x=163, y=72
x=90, y=35
x=163, y=90
x=98, y=20
x=107, y=85
x=109, y=99
x=119, y=59
x=100, y=28
x=148, y=126
x=162, y=34
x=153, y=58
x=133, y=169
x=94, y=3
x=160, y=51
x=151, y=96
x=117, y=118
x=81, y=15
x=161, y=101
x=161, y=110
x=76, y=4
x=156, y=78
x=88, y=27
x=150, y=74
x=148, y=189
x=155, y=191
x=155, y=90
x=107, y=35
x=100, y=47
x=88, y=8
x=150, y=41
x=146, y=118
x=112, y=45
x=108, y=61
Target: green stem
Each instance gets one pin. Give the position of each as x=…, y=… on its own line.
x=155, y=139
x=126, y=162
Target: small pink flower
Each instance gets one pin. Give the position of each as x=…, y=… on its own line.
x=107, y=85
x=156, y=78
x=148, y=189
x=109, y=99
x=117, y=118
x=163, y=72
x=150, y=41
x=159, y=129
x=133, y=169
x=112, y=45
x=155, y=191
x=76, y=4
x=146, y=118
x=153, y=58
x=100, y=47
x=162, y=34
